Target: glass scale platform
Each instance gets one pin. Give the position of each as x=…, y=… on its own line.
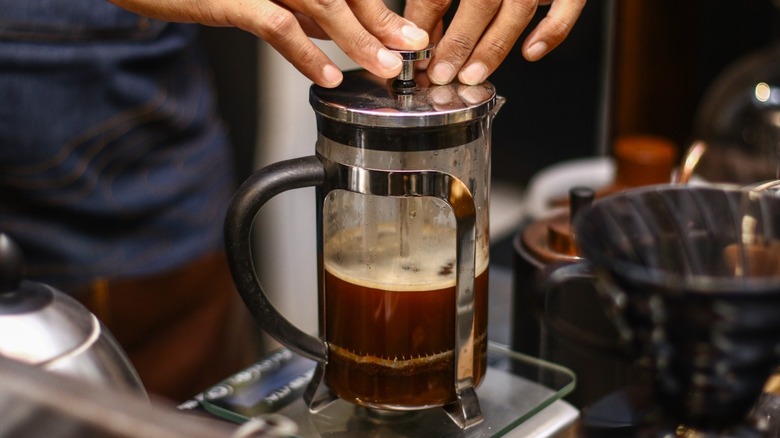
x=515, y=388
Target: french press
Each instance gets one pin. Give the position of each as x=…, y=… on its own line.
x=402, y=173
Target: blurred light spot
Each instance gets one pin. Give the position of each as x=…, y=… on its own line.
x=763, y=91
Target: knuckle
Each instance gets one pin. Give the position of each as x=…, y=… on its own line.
x=363, y=40
x=497, y=48
x=438, y=6
x=309, y=56
x=280, y=22
x=328, y=5
x=460, y=45
x=558, y=28
x=488, y=6
x=386, y=18
x=426, y=13
x=524, y=8
x=561, y=24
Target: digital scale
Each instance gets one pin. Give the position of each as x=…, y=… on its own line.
x=517, y=389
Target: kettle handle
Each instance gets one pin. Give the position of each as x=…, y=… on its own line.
x=258, y=189
x=562, y=281
x=558, y=275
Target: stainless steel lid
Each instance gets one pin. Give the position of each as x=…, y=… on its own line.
x=407, y=101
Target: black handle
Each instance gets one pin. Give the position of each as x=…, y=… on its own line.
x=250, y=197
x=568, y=282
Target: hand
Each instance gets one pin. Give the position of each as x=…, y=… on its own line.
x=361, y=28
x=483, y=32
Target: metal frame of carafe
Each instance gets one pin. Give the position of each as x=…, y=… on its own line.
x=465, y=411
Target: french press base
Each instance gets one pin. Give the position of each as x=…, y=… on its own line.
x=465, y=412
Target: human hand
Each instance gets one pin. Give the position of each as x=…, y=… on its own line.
x=361, y=28
x=483, y=32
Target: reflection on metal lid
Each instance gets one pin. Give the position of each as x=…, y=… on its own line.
x=366, y=99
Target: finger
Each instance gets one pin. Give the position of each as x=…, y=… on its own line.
x=470, y=20
x=390, y=28
x=280, y=28
x=435, y=37
x=497, y=41
x=426, y=14
x=553, y=28
x=337, y=20
x=438, y=31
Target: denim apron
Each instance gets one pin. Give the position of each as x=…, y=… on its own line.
x=113, y=163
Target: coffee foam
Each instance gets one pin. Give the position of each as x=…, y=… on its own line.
x=431, y=267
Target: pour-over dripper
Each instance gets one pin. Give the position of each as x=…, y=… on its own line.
x=692, y=276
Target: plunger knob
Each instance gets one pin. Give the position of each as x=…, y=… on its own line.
x=404, y=83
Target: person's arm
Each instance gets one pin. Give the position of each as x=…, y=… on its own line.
x=363, y=29
x=483, y=32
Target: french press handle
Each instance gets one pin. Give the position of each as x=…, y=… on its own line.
x=310, y=171
x=247, y=201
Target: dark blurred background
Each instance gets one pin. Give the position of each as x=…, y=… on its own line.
x=628, y=67
x=662, y=57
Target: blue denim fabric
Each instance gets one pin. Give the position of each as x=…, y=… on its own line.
x=113, y=162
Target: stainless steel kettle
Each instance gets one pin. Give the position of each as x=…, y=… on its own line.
x=48, y=329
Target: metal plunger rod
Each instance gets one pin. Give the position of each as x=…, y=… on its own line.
x=407, y=71
x=404, y=82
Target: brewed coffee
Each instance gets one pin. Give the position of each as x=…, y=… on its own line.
x=390, y=324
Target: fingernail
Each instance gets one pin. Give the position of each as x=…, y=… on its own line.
x=536, y=51
x=414, y=34
x=473, y=74
x=442, y=73
x=331, y=75
x=388, y=59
